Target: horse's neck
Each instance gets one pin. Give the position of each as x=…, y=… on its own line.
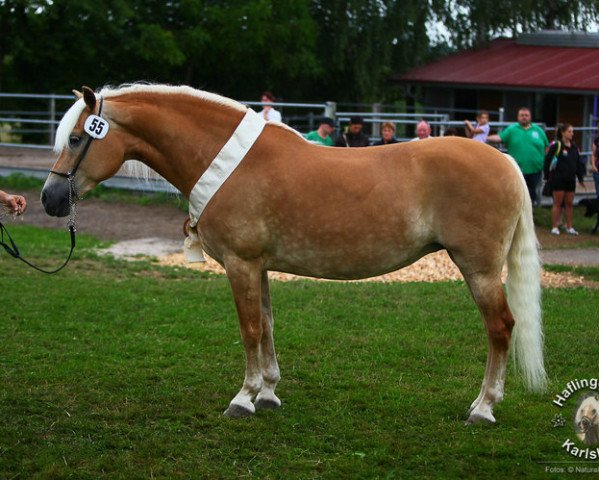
x=179, y=136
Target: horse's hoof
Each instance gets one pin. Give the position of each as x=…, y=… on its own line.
x=480, y=417
x=267, y=403
x=237, y=411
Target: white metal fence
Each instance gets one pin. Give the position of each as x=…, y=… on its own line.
x=30, y=120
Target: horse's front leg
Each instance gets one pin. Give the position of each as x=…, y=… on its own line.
x=245, y=280
x=270, y=367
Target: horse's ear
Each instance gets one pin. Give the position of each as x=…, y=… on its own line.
x=90, y=98
x=77, y=94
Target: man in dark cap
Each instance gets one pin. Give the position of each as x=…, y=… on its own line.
x=322, y=136
x=354, y=136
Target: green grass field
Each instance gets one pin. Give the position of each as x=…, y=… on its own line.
x=122, y=370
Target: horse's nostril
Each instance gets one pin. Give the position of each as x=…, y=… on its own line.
x=44, y=197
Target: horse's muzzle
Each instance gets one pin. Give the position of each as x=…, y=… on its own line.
x=55, y=198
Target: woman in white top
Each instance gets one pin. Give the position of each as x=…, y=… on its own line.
x=268, y=112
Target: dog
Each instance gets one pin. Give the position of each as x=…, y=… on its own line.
x=592, y=206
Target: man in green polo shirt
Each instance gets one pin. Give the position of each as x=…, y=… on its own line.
x=322, y=136
x=527, y=143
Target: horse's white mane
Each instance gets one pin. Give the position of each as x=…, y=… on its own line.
x=133, y=167
x=108, y=92
x=70, y=118
x=67, y=124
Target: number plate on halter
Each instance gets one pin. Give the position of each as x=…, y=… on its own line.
x=96, y=127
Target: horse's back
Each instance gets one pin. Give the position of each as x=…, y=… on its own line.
x=426, y=177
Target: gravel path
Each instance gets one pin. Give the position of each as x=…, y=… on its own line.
x=582, y=256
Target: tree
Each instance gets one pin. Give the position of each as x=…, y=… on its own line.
x=13, y=21
x=475, y=22
x=361, y=42
x=257, y=45
x=300, y=49
x=66, y=43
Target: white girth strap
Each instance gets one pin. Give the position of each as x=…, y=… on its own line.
x=227, y=160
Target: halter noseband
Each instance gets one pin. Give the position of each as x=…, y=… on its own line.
x=71, y=175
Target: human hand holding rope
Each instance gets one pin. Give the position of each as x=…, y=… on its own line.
x=16, y=204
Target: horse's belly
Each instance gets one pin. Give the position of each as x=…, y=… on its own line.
x=346, y=264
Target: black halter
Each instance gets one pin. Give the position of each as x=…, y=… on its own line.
x=12, y=249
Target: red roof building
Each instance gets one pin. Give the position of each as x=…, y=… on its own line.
x=554, y=73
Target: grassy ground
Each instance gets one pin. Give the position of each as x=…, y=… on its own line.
x=122, y=370
x=589, y=273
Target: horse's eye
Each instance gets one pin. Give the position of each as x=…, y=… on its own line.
x=74, y=141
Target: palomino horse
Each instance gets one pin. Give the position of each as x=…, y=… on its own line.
x=587, y=420
x=295, y=207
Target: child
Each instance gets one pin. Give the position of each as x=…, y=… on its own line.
x=479, y=131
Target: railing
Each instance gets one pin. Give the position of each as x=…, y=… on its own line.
x=30, y=120
x=23, y=119
x=303, y=117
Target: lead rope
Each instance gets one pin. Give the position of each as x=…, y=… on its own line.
x=13, y=250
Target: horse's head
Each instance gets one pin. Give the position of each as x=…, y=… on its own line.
x=587, y=419
x=91, y=149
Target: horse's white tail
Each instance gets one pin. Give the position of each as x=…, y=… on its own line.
x=523, y=286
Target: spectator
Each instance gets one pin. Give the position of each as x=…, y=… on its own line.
x=450, y=132
x=268, y=112
x=480, y=130
x=526, y=142
x=595, y=162
x=387, y=134
x=423, y=131
x=562, y=173
x=354, y=136
x=322, y=136
x=15, y=203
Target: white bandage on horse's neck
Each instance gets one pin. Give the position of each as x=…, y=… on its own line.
x=227, y=160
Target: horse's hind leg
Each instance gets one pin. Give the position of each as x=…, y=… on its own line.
x=491, y=301
x=270, y=368
x=245, y=280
